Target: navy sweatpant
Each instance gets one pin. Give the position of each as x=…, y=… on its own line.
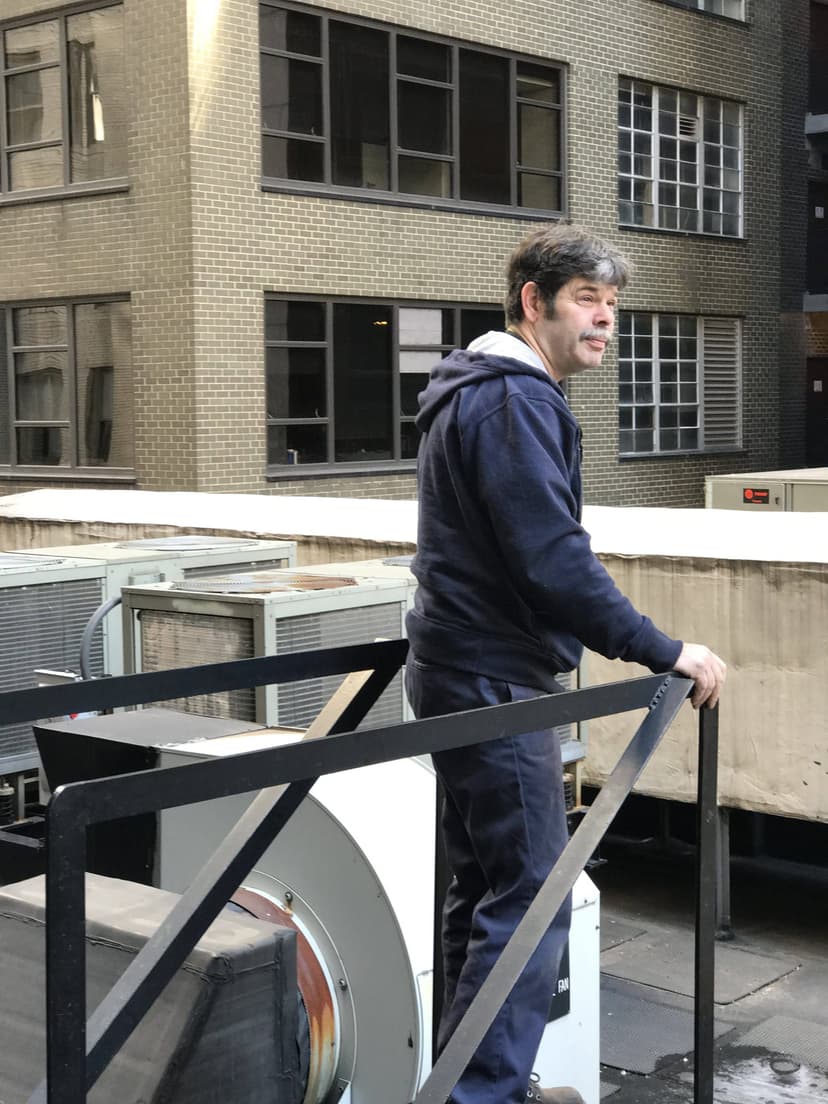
x=504, y=826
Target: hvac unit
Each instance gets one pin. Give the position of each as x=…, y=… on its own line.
x=45, y=602
x=572, y=737
x=803, y=490
x=199, y=621
x=353, y=872
x=166, y=559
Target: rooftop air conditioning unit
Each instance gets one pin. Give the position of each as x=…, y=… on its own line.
x=803, y=490
x=45, y=602
x=263, y=613
x=166, y=559
x=572, y=737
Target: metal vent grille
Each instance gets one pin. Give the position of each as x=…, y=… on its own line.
x=299, y=702
x=688, y=126
x=722, y=356
x=567, y=732
x=41, y=625
x=171, y=640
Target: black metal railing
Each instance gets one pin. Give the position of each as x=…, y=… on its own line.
x=78, y=1052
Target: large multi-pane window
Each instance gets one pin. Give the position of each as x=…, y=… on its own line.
x=352, y=105
x=734, y=9
x=679, y=383
x=679, y=160
x=343, y=376
x=66, y=391
x=64, y=100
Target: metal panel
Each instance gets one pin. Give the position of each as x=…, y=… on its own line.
x=41, y=626
x=170, y=639
x=299, y=702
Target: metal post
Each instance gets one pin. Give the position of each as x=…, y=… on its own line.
x=66, y=960
x=706, y=864
x=442, y=877
x=724, y=921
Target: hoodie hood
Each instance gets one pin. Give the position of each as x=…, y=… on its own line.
x=491, y=355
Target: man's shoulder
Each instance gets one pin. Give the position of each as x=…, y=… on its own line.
x=497, y=392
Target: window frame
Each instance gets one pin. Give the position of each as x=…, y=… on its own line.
x=703, y=449
x=658, y=138
x=392, y=196
x=330, y=466
x=698, y=6
x=68, y=188
x=55, y=472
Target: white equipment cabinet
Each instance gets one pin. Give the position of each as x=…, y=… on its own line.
x=802, y=490
x=45, y=603
x=263, y=613
x=168, y=559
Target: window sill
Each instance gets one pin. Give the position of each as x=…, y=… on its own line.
x=681, y=233
x=627, y=457
x=73, y=191
x=423, y=203
x=48, y=473
x=333, y=471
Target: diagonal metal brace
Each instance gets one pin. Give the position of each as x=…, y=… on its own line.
x=481, y=1012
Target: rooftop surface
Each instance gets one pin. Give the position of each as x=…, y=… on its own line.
x=771, y=982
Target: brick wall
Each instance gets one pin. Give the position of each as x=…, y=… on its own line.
x=197, y=242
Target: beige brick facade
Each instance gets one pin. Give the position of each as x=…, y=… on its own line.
x=197, y=243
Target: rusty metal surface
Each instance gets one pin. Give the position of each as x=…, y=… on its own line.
x=313, y=986
x=264, y=582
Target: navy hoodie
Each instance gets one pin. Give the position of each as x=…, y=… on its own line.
x=508, y=584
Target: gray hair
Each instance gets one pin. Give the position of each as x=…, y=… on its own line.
x=553, y=256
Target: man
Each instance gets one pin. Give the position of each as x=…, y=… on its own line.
x=509, y=593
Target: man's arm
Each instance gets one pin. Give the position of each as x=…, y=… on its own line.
x=521, y=467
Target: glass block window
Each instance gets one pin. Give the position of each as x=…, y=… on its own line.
x=678, y=383
x=679, y=160
x=354, y=105
x=66, y=106
x=343, y=376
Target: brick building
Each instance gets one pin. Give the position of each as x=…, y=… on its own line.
x=234, y=235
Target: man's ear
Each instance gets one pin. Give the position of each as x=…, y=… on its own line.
x=532, y=302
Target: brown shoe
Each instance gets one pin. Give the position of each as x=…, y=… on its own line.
x=561, y=1095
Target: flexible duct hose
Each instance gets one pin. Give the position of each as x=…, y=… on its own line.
x=86, y=640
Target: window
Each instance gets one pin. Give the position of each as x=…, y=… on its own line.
x=66, y=385
x=343, y=377
x=733, y=9
x=679, y=386
x=356, y=106
x=65, y=96
x=679, y=160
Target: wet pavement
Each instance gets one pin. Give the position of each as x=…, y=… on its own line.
x=771, y=983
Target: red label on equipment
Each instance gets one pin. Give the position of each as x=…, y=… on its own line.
x=756, y=496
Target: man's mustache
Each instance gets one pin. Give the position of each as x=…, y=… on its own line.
x=596, y=333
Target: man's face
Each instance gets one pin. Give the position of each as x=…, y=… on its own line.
x=580, y=323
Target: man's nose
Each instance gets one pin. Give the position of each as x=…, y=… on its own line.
x=604, y=315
